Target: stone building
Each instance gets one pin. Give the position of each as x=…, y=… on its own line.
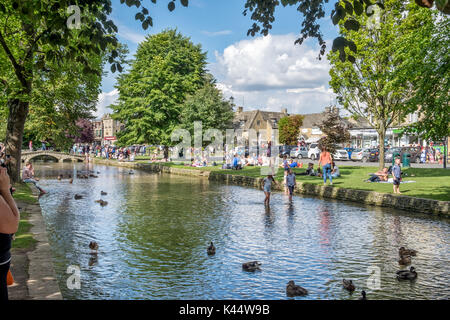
x=110, y=129
x=263, y=122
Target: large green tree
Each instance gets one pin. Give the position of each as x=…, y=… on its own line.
x=426, y=67
x=370, y=87
x=167, y=68
x=36, y=36
x=208, y=106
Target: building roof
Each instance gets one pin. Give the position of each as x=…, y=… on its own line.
x=250, y=116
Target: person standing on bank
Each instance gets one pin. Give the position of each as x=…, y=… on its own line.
x=325, y=161
x=9, y=223
x=290, y=182
x=397, y=175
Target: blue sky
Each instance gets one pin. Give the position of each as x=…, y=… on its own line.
x=261, y=73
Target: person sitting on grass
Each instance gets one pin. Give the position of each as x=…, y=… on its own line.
x=236, y=164
x=335, y=170
x=293, y=164
x=380, y=175
x=309, y=171
x=28, y=177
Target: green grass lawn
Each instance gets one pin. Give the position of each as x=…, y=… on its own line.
x=430, y=183
x=23, y=238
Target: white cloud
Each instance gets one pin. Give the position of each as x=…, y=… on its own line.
x=105, y=99
x=217, y=33
x=127, y=34
x=271, y=73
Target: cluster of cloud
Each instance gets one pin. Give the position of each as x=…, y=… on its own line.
x=271, y=73
x=267, y=73
x=106, y=99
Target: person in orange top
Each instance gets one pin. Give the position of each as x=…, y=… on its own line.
x=325, y=161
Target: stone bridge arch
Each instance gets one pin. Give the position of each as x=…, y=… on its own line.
x=58, y=156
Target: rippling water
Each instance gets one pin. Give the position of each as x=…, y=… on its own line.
x=154, y=232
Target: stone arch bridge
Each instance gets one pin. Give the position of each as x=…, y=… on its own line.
x=59, y=156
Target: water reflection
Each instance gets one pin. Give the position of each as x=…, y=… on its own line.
x=155, y=229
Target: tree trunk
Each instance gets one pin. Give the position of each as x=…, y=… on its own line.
x=166, y=153
x=18, y=111
x=381, y=134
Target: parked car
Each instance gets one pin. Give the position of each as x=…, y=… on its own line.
x=340, y=154
x=313, y=151
x=299, y=152
x=285, y=150
x=363, y=154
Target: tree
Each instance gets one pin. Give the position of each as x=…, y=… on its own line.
x=208, y=106
x=430, y=78
x=85, y=131
x=370, y=87
x=289, y=129
x=335, y=130
x=167, y=68
x=34, y=36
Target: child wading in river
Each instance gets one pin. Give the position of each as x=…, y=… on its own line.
x=267, y=182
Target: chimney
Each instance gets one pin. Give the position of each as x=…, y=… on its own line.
x=284, y=110
x=240, y=109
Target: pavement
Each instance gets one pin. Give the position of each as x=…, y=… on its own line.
x=33, y=271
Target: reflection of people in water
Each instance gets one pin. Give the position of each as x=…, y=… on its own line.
x=325, y=222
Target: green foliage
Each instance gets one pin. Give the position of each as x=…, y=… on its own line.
x=168, y=67
x=426, y=67
x=208, y=106
x=371, y=86
x=335, y=130
x=289, y=129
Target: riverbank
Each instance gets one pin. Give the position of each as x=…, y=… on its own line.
x=312, y=186
x=32, y=263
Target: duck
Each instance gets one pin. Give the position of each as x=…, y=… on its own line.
x=348, y=285
x=103, y=193
x=293, y=290
x=410, y=274
x=102, y=203
x=407, y=252
x=211, y=249
x=93, y=246
x=251, y=266
x=78, y=197
x=363, y=295
x=404, y=260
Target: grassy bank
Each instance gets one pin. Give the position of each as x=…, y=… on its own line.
x=23, y=237
x=429, y=183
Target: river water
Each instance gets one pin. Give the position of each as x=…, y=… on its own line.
x=155, y=229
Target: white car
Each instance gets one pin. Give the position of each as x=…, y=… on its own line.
x=313, y=151
x=340, y=154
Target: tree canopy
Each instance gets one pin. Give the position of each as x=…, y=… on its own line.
x=370, y=87
x=208, y=106
x=167, y=68
x=289, y=129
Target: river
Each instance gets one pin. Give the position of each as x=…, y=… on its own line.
x=154, y=232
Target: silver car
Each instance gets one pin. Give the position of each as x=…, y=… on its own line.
x=340, y=154
x=361, y=154
x=299, y=152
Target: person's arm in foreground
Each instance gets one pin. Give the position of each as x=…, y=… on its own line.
x=9, y=214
